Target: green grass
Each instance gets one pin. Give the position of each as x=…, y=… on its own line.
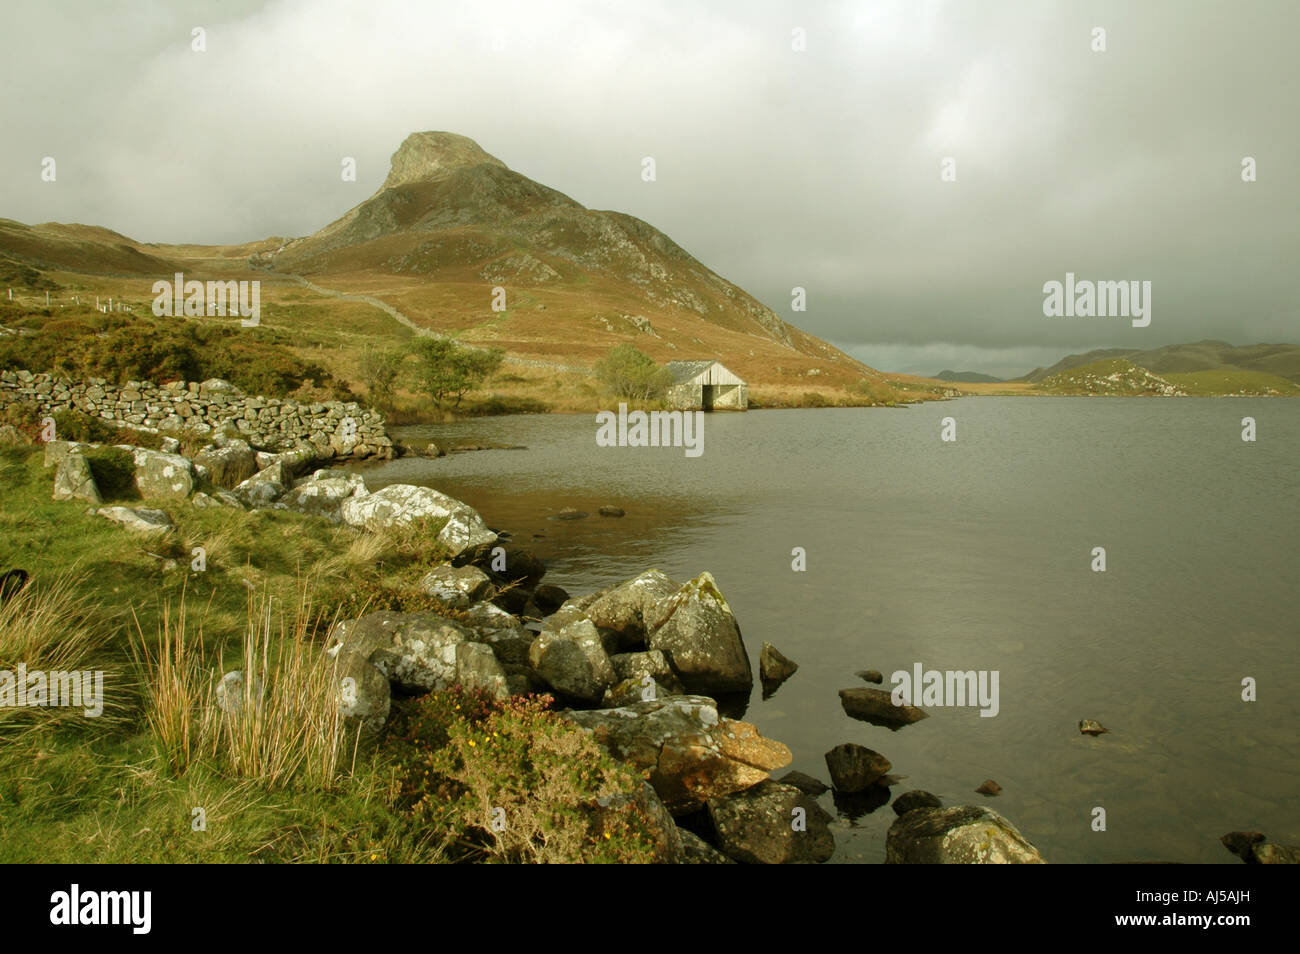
x=124, y=788
x=1233, y=381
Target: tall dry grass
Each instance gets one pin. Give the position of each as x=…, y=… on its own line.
x=279, y=726
x=52, y=627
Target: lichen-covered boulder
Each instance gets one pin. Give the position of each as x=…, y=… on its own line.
x=696, y=629
x=323, y=493
x=55, y=451
x=691, y=753
x=416, y=651
x=401, y=504
x=457, y=586
x=961, y=835
x=477, y=668
x=772, y=824
x=74, y=481
x=265, y=487
x=228, y=466
x=573, y=661
x=160, y=476
x=622, y=609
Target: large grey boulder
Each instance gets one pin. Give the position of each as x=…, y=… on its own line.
x=228, y=466
x=622, y=609
x=160, y=476
x=691, y=753
x=415, y=651
x=457, y=586
x=401, y=504
x=961, y=835
x=74, y=481
x=772, y=824
x=573, y=661
x=696, y=629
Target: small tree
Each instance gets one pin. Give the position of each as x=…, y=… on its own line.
x=379, y=370
x=628, y=373
x=444, y=369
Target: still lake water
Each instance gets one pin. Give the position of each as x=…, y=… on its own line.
x=973, y=555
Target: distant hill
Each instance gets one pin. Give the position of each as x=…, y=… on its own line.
x=1109, y=377
x=968, y=377
x=1273, y=360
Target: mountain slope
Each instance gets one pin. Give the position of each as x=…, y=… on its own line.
x=453, y=216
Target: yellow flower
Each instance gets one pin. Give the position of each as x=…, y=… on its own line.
x=606, y=834
x=471, y=743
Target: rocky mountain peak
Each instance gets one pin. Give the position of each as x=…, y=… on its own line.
x=425, y=156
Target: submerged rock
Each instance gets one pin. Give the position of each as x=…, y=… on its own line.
x=877, y=707
x=962, y=835
x=989, y=787
x=805, y=783
x=1091, y=727
x=853, y=767
x=773, y=667
x=910, y=801
x=870, y=675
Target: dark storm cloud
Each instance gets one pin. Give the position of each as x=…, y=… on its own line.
x=776, y=168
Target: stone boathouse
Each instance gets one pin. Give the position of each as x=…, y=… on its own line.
x=706, y=386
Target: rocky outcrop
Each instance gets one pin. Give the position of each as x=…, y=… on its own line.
x=962, y=835
x=332, y=429
x=691, y=753
x=323, y=493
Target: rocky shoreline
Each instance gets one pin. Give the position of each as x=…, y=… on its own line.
x=640, y=665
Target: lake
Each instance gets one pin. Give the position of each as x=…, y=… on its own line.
x=972, y=555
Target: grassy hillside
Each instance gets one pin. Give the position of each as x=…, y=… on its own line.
x=1113, y=377
x=1280, y=360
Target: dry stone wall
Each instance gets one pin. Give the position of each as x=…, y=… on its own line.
x=334, y=428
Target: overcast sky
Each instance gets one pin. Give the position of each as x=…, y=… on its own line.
x=776, y=167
